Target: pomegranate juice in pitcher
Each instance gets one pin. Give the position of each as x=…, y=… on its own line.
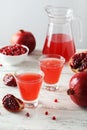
x=59, y=44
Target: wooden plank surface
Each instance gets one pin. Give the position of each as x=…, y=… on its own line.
x=68, y=115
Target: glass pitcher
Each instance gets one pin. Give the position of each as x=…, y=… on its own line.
x=59, y=38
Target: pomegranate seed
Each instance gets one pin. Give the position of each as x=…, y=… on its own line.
x=56, y=100
x=27, y=114
x=13, y=50
x=53, y=118
x=46, y=113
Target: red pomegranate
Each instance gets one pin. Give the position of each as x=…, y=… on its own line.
x=78, y=62
x=9, y=80
x=24, y=38
x=78, y=89
x=12, y=104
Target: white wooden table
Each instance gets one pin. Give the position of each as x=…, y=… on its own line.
x=68, y=115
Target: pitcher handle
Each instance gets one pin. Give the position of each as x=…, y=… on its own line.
x=80, y=28
x=78, y=31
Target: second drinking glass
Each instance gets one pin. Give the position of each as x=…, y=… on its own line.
x=51, y=65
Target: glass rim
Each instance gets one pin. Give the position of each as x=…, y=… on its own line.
x=53, y=56
x=30, y=72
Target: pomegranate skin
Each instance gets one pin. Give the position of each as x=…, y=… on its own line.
x=12, y=104
x=9, y=80
x=24, y=38
x=78, y=89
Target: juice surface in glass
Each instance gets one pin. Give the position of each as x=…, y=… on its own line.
x=60, y=44
x=52, y=68
x=29, y=85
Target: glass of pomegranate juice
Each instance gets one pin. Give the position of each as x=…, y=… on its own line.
x=51, y=65
x=29, y=83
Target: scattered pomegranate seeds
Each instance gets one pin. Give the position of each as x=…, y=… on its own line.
x=56, y=100
x=27, y=114
x=53, y=118
x=46, y=113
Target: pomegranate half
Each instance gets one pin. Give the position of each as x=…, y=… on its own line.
x=12, y=104
x=78, y=62
x=78, y=89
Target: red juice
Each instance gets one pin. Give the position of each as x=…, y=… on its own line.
x=52, y=69
x=29, y=85
x=60, y=44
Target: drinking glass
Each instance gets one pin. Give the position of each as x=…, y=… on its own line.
x=51, y=65
x=29, y=82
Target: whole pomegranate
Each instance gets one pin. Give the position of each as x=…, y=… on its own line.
x=78, y=62
x=78, y=89
x=24, y=38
